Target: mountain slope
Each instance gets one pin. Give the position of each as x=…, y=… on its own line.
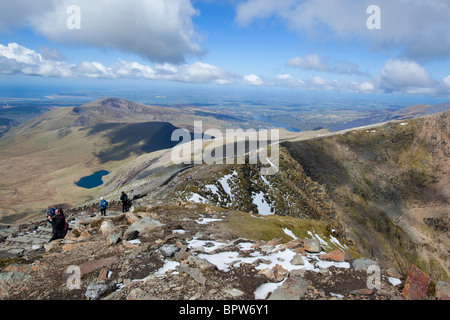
x=387, y=182
x=43, y=157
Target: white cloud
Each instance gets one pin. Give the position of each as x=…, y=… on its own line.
x=317, y=63
x=16, y=59
x=447, y=81
x=400, y=75
x=310, y=62
x=366, y=87
x=253, y=80
x=286, y=80
x=418, y=28
x=319, y=81
x=158, y=30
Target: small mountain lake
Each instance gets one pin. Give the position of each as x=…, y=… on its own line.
x=92, y=181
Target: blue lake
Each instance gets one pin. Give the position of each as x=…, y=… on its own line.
x=92, y=181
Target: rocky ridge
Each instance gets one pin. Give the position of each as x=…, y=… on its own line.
x=182, y=252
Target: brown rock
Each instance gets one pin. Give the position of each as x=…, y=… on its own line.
x=312, y=245
x=391, y=272
x=337, y=256
x=268, y=273
x=294, y=244
x=279, y=273
x=417, y=283
x=362, y=292
x=103, y=275
x=93, y=265
x=107, y=227
x=275, y=242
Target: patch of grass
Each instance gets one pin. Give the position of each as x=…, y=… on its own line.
x=266, y=228
x=95, y=224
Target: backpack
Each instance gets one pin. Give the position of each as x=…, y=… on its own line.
x=104, y=204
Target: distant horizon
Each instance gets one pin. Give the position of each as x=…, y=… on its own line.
x=397, y=52
x=168, y=93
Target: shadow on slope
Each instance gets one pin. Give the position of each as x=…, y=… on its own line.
x=137, y=138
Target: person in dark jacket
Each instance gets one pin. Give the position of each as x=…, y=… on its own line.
x=59, y=225
x=124, y=199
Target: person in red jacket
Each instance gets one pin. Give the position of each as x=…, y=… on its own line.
x=59, y=225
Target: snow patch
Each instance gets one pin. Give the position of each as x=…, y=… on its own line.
x=259, y=201
x=289, y=233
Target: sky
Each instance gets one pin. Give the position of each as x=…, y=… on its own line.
x=353, y=46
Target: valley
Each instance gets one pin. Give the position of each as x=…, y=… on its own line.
x=381, y=190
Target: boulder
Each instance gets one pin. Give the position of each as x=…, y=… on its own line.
x=200, y=263
x=294, y=288
x=169, y=250
x=114, y=237
x=144, y=225
x=337, y=256
x=97, y=289
x=107, y=227
x=275, y=242
x=279, y=273
x=193, y=272
x=363, y=264
x=312, y=245
x=416, y=285
x=297, y=260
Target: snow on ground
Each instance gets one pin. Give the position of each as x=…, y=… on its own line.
x=226, y=259
x=196, y=198
x=259, y=201
x=289, y=233
x=206, y=220
x=337, y=243
x=263, y=290
x=225, y=185
x=168, y=266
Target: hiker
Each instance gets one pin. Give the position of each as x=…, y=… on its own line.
x=124, y=199
x=59, y=225
x=103, y=205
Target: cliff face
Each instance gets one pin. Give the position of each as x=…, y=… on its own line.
x=390, y=185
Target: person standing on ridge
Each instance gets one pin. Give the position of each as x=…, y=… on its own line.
x=103, y=205
x=59, y=225
x=124, y=199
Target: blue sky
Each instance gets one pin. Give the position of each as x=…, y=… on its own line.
x=307, y=45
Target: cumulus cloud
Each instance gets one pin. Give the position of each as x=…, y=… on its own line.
x=400, y=75
x=446, y=81
x=253, y=79
x=17, y=59
x=418, y=28
x=286, y=80
x=158, y=30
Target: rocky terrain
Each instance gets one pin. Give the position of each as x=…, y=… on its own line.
x=357, y=215
x=186, y=251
